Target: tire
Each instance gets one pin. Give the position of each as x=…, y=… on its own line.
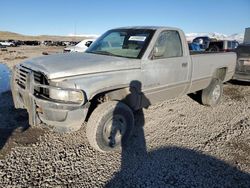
x=211, y=95
x=214, y=49
x=109, y=126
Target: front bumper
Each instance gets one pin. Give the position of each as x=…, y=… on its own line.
x=62, y=117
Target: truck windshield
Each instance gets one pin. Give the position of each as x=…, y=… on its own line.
x=129, y=43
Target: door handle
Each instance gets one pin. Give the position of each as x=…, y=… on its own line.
x=184, y=64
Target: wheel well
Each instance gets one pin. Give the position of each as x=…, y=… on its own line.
x=94, y=102
x=128, y=95
x=220, y=73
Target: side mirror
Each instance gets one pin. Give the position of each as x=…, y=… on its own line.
x=88, y=43
x=158, y=52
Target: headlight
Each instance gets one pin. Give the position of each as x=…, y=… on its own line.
x=66, y=95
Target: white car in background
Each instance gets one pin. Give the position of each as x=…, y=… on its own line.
x=80, y=47
x=7, y=44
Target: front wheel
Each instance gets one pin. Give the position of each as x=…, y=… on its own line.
x=211, y=95
x=109, y=126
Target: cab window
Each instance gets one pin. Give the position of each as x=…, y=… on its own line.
x=168, y=45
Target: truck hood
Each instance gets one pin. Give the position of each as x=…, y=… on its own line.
x=73, y=64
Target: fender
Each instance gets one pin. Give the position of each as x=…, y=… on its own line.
x=130, y=94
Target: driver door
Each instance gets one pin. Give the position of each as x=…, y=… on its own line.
x=165, y=76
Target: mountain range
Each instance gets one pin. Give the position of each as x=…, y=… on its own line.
x=190, y=36
x=5, y=35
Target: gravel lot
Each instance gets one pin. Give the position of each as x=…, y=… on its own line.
x=14, y=55
x=177, y=143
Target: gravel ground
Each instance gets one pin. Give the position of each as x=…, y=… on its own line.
x=177, y=143
x=14, y=55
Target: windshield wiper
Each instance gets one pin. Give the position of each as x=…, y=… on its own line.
x=108, y=53
x=102, y=52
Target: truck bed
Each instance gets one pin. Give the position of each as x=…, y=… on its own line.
x=204, y=66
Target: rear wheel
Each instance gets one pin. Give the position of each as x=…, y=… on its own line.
x=214, y=48
x=211, y=95
x=109, y=126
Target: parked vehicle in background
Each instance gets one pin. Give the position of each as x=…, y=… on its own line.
x=222, y=46
x=32, y=43
x=11, y=43
x=80, y=47
x=247, y=36
x=18, y=42
x=7, y=44
x=242, y=71
x=15, y=43
x=203, y=42
x=195, y=47
x=1, y=46
x=54, y=43
x=214, y=45
x=124, y=70
x=47, y=43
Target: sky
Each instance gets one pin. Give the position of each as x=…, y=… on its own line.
x=64, y=17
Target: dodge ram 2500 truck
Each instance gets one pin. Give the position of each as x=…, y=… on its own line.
x=123, y=71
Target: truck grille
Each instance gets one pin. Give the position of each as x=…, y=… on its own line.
x=40, y=79
x=22, y=76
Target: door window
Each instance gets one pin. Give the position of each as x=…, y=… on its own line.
x=229, y=45
x=168, y=45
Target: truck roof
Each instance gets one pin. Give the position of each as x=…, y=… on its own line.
x=148, y=27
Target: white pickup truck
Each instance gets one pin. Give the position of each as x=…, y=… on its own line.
x=124, y=70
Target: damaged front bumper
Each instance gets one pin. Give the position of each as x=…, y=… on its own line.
x=61, y=116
